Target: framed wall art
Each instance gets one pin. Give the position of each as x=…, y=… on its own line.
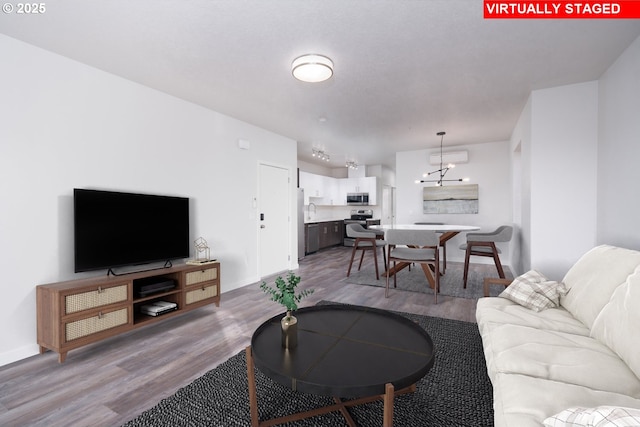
x=451, y=199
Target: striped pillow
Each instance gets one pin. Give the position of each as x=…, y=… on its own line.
x=534, y=291
x=595, y=417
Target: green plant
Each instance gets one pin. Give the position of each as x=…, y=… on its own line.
x=285, y=292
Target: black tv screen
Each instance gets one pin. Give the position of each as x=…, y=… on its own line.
x=114, y=229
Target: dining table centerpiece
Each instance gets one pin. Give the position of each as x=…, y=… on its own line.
x=284, y=292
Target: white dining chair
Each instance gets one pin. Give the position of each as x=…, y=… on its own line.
x=484, y=244
x=413, y=246
x=365, y=240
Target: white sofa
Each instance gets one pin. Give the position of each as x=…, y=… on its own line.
x=584, y=353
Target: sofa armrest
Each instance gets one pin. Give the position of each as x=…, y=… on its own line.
x=488, y=281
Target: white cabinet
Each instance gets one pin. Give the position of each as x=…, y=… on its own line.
x=349, y=185
x=370, y=185
x=331, y=192
x=367, y=184
x=313, y=188
x=326, y=190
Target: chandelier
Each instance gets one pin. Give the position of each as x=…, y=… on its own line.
x=351, y=164
x=320, y=154
x=443, y=169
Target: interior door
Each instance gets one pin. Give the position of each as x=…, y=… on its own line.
x=388, y=205
x=274, y=222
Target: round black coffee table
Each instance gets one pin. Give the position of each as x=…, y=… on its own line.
x=345, y=352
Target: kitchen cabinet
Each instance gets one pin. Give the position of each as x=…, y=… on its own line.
x=331, y=233
x=337, y=229
x=329, y=191
x=320, y=189
x=313, y=187
x=324, y=234
x=367, y=184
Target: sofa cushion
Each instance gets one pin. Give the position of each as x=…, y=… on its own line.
x=500, y=310
x=602, y=416
x=618, y=325
x=534, y=291
x=558, y=356
x=593, y=278
x=524, y=401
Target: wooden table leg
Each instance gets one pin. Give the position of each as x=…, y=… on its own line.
x=444, y=238
x=393, y=270
x=387, y=415
x=253, y=397
x=399, y=266
x=429, y=274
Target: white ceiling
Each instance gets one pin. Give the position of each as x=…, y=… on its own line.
x=404, y=69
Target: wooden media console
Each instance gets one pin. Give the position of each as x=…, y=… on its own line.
x=75, y=313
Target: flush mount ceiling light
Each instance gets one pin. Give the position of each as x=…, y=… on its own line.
x=351, y=164
x=443, y=169
x=312, y=68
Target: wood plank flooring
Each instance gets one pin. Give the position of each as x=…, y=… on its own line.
x=108, y=383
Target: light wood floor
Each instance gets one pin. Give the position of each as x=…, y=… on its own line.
x=108, y=383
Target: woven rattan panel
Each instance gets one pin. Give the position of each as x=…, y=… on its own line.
x=199, y=276
x=91, y=325
x=97, y=298
x=200, y=294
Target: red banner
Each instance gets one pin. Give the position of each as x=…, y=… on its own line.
x=623, y=9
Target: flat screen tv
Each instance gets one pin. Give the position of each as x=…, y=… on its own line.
x=115, y=229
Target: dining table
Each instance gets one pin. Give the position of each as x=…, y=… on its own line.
x=446, y=231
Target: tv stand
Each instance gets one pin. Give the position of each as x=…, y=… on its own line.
x=167, y=264
x=75, y=313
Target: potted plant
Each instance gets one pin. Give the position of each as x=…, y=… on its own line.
x=285, y=294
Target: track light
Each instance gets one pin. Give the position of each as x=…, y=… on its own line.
x=320, y=154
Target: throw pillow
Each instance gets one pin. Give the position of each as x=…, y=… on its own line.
x=595, y=417
x=534, y=291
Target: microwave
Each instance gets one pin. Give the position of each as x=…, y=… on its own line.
x=358, y=199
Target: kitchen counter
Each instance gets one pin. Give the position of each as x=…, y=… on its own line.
x=317, y=221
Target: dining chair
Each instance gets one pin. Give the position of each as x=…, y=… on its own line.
x=443, y=245
x=484, y=244
x=366, y=240
x=413, y=246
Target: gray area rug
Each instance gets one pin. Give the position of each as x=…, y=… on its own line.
x=456, y=392
x=415, y=280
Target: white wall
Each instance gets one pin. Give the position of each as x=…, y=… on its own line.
x=488, y=166
x=557, y=134
x=619, y=151
x=579, y=154
x=520, y=150
x=67, y=125
x=564, y=176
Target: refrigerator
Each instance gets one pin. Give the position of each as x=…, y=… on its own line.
x=300, y=223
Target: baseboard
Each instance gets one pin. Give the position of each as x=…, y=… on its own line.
x=18, y=354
